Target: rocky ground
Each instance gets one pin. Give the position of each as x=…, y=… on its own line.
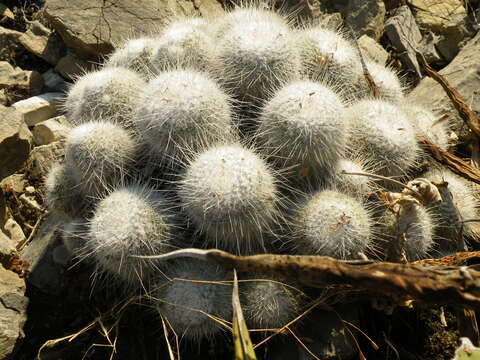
x=45, y=44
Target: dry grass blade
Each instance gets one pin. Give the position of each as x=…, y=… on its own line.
x=454, y=163
x=241, y=339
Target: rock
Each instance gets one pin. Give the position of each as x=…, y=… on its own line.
x=366, y=17
x=405, y=36
x=71, y=66
x=3, y=97
x=9, y=44
x=41, y=42
x=450, y=42
x=7, y=247
x=3, y=208
x=43, y=157
x=14, y=231
x=428, y=49
x=463, y=74
x=15, y=141
x=54, y=82
x=39, y=108
x=14, y=183
x=438, y=16
x=51, y=130
x=372, y=49
x=45, y=274
x=91, y=27
x=30, y=190
x=13, y=306
x=10, y=77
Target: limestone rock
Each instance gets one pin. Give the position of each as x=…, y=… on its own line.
x=463, y=73
x=9, y=44
x=41, y=42
x=92, y=27
x=43, y=157
x=71, y=66
x=13, y=306
x=428, y=49
x=404, y=35
x=39, y=108
x=14, y=231
x=372, y=49
x=10, y=77
x=438, y=16
x=366, y=17
x=15, y=183
x=51, y=130
x=15, y=141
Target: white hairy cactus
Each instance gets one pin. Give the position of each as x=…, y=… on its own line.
x=109, y=94
x=74, y=235
x=303, y=127
x=389, y=86
x=133, y=220
x=63, y=195
x=355, y=185
x=231, y=195
x=135, y=55
x=101, y=155
x=410, y=226
x=257, y=57
x=182, y=110
x=328, y=57
x=193, y=297
x=268, y=303
x=330, y=223
x=184, y=44
x=458, y=204
x=382, y=132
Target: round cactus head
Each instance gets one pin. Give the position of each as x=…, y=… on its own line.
x=230, y=194
x=184, y=44
x=193, y=297
x=101, y=155
x=63, y=194
x=109, y=94
x=389, y=86
x=303, y=127
x=130, y=221
x=135, y=55
x=328, y=57
x=381, y=132
x=74, y=236
x=330, y=223
x=268, y=303
x=344, y=177
x=257, y=57
x=182, y=110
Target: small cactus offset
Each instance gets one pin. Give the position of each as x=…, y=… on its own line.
x=248, y=134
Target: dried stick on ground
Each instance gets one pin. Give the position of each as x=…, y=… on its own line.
x=459, y=286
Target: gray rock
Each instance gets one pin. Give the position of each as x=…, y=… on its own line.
x=463, y=74
x=366, y=17
x=41, y=42
x=15, y=141
x=10, y=77
x=13, y=231
x=71, y=66
x=7, y=247
x=9, y=43
x=43, y=157
x=3, y=97
x=39, y=108
x=51, y=130
x=3, y=208
x=438, y=16
x=45, y=273
x=92, y=27
x=372, y=49
x=450, y=42
x=13, y=306
x=405, y=36
x=428, y=49
x=54, y=82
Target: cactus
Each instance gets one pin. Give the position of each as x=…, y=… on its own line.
x=133, y=220
x=193, y=296
x=135, y=55
x=389, y=86
x=101, y=155
x=184, y=44
x=327, y=56
x=257, y=57
x=330, y=223
x=180, y=111
x=109, y=94
x=74, y=236
x=354, y=185
x=381, y=132
x=303, y=127
x=231, y=195
x=63, y=194
x=268, y=303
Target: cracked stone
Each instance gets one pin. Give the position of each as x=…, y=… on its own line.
x=39, y=108
x=438, y=16
x=9, y=44
x=92, y=27
x=51, y=130
x=41, y=42
x=13, y=231
x=366, y=17
x=43, y=157
x=15, y=141
x=11, y=77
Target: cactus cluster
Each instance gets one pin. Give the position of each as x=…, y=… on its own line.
x=159, y=160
